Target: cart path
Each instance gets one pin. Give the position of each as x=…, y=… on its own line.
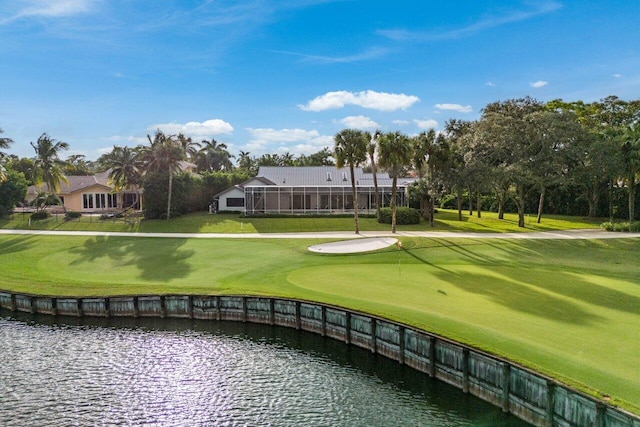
x=562, y=235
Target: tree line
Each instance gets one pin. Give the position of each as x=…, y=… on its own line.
x=521, y=155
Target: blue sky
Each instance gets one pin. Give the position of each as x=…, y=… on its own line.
x=277, y=76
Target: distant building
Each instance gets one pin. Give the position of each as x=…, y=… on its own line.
x=88, y=193
x=309, y=190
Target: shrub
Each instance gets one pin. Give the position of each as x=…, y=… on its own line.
x=621, y=226
x=71, y=215
x=404, y=216
x=37, y=216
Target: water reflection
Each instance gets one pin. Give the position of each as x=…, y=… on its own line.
x=174, y=372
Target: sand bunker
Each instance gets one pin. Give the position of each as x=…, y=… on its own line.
x=354, y=245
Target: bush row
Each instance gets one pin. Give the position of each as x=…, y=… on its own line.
x=621, y=226
x=404, y=216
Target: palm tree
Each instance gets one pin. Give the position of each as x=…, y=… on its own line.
x=4, y=144
x=125, y=172
x=351, y=149
x=422, y=151
x=213, y=156
x=48, y=167
x=189, y=147
x=394, y=154
x=371, y=151
x=164, y=154
x=244, y=160
x=630, y=145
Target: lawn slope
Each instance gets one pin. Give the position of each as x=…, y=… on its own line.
x=570, y=309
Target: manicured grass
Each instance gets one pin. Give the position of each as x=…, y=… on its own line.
x=233, y=223
x=570, y=309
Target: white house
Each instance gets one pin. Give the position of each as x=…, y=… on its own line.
x=309, y=190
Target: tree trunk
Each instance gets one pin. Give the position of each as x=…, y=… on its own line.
x=632, y=196
x=432, y=212
x=592, y=200
x=375, y=186
x=393, y=204
x=459, y=197
x=500, y=196
x=610, y=199
x=470, y=201
x=479, y=204
x=355, y=199
x=169, y=194
x=541, y=204
x=520, y=203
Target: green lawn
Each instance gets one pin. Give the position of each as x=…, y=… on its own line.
x=232, y=223
x=570, y=309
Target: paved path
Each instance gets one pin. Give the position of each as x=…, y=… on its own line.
x=567, y=234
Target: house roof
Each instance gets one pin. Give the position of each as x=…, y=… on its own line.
x=326, y=176
x=76, y=183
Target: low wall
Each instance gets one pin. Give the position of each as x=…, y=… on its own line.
x=530, y=396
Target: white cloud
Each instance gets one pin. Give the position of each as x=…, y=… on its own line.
x=372, y=53
x=283, y=140
x=205, y=129
x=426, y=124
x=366, y=99
x=267, y=135
x=359, y=122
x=400, y=122
x=51, y=8
x=455, y=107
x=529, y=10
x=134, y=139
x=616, y=75
x=490, y=83
x=538, y=84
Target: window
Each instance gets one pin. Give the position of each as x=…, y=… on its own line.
x=235, y=202
x=112, y=200
x=87, y=201
x=100, y=201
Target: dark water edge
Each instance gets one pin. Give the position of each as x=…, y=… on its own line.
x=124, y=371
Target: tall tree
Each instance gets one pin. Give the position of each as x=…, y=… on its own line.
x=213, y=156
x=77, y=164
x=4, y=144
x=395, y=152
x=47, y=167
x=371, y=152
x=455, y=174
x=423, y=145
x=189, y=147
x=510, y=136
x=164, y=154
x=630, y=147
x=351, y=149
x=125, y=171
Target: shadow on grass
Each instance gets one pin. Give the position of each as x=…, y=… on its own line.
x=158, y=260
x=16, y=244
x=560, y=264
x=522, y=298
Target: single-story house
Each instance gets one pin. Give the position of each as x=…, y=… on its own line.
x=88, y=193
x=309, y=190
x=95, y=194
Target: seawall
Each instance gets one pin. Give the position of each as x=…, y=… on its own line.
x=530, y=396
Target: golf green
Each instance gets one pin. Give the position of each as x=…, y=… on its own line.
x=570, y=309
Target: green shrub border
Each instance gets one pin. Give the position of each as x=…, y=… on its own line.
x=627, y=227
x=404, y=216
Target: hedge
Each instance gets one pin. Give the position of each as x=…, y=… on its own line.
x=404, y=216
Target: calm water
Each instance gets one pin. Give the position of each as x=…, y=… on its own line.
x=200, y=373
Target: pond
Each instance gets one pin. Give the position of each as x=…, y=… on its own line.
x=175, y=372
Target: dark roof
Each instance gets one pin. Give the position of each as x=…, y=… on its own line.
x=319, y=176
x=76, y=183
